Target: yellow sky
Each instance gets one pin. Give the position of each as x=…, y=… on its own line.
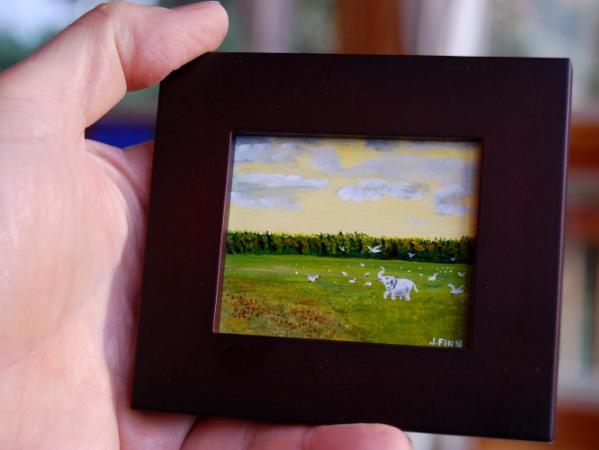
x=395, y=188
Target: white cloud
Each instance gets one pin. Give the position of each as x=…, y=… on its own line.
x=261, y=152
x=256, y=201
x=370, y=190
x=416, y=221
x=451, y=201
x=276, y=180
x=249, y=149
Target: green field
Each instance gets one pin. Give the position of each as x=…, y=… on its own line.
x=270, y=295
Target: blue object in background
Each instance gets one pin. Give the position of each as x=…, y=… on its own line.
x=121, y=134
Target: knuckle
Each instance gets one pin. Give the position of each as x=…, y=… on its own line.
x=108, y=11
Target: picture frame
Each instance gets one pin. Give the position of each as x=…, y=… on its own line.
x=501, y=384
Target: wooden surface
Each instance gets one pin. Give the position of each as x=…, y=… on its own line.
x=584, y=145
x=582, y=220
x=369, y=27
x=583, y=224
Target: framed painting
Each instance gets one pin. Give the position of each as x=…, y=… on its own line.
x=314, y=221
x=357, y=238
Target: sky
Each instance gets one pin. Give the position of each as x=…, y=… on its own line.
x=393, y=188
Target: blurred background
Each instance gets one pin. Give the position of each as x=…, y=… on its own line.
x=551, y=28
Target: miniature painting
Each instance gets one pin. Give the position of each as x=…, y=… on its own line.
x=366, y=240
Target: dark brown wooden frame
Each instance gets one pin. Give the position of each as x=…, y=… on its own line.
x=502, y=385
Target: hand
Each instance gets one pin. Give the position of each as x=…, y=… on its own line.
x=72, y=224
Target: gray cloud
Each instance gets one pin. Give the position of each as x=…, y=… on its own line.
x=271, y=190
x=369, y=190
x=383, y=144
x=413, y=168
x=326, y=160
x=417, y=145
x=450, y=201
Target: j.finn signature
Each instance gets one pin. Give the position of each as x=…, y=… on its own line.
x=442, y=342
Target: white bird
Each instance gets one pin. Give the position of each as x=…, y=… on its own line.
x=312, y=278
x=367, y=274
x=353, y=280
x=461, y=274
x=361, y=264
x=433, y=277
x=368, y=283
x=411, y=255
x=342, y=248
x=344, y=273
x=455, y=291
x=375, y=249
x=453, y=258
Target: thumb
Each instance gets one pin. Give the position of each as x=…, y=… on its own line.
x=114, y=48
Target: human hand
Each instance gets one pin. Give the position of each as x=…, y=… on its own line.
x=72, y=225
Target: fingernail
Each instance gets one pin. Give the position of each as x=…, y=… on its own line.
x=192, y=6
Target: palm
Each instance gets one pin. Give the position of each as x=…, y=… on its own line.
x=73, y=218
x=76, y=233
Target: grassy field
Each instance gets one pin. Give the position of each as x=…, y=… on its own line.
x=270, y=295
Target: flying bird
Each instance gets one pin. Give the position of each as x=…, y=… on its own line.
x=312, y=278
x=375, y=249
x=455, y=291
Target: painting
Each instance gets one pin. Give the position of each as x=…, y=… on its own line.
x=351, y=239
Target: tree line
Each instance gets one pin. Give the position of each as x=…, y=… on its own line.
x=354, y=245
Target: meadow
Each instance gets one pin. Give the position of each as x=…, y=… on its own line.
x=271, y=295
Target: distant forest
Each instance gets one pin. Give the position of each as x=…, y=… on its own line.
x=353, y=245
